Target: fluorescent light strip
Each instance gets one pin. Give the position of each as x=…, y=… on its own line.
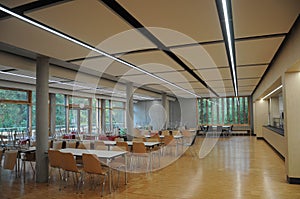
x=230, y=43
x=276, y=89
x=91, y=48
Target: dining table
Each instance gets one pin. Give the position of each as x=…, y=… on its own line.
x=101, y=154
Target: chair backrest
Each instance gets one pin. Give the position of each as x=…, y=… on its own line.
x=176, y=132
x=91, y=164
x=84, y=145
x=71, y=144
x=153, y=139
x=165, y=132
x=122, y=145
x=50, y=144
x=138, y=147
x=69, y=162
x=194, y=140
x=29, y=156
x=57, y=144
x=10, y=159
x=119, y=139
x=168, y=139
x=99, y=145
x=54, y=157
x=139, y=139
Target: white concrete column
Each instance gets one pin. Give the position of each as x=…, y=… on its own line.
x=291, y=98
x=165, y=105
x=42, y=118
x=129, y=108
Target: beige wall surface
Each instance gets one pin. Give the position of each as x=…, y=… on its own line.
x=260, y=116
x=276, y=140
x=291, y=93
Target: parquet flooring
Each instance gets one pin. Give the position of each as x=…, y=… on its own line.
x=237, y=167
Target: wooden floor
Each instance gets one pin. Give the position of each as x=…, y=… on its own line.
x=237, y=167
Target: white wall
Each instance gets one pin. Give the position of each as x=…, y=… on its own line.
x=188, y=112
x=260, y=116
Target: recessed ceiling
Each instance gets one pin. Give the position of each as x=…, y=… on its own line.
x=189, y=30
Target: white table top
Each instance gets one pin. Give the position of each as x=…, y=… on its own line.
x=99, y=153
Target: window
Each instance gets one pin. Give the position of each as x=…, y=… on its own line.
x=79, y=115
x=118, y=114
x=60, y=123
x=231, y=110
x=96, y=118
x=14, y=111
x=108, y=126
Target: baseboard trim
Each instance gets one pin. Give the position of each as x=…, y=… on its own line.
x=293, y=180
x=274, y=149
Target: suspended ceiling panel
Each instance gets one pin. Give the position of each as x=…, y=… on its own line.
x=89, y=21
x=24, y=35
x=174, y=23
x=257, y=51
x=257, y=17
x=251, y=71
x=15, y=3
x=186, y=17
x=215, y=74
x=145, y=59
x=203, y=56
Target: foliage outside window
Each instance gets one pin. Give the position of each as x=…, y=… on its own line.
x=118, y=114
x=96, y=116
x=230, y=110
x=14, y=110
x=60, y=112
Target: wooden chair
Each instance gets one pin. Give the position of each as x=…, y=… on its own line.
x=84, y=145
x=71, y=144
x=99, y=145
x=55, y=162
x=57, y=145
x=10, y=159
x=165, y=132
x=28, y=157
x=69, y=165
x=119, y=163
x=122, y=145
x=139, y=151
x=119, y=139
x=92, y=166
x=139, y=139
x=156, y=151
x=168, y=143
x=190, y=145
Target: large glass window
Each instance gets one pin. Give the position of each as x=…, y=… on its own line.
x=118, y=114
x=231, y=110
x=108, y=123
x=14, y=112
x=60, y=113
x=79, y=115
x=96, y=121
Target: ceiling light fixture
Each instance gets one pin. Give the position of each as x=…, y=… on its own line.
x=89, y=47
x=225, y=16
x=103, y=91
x=273, y=91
